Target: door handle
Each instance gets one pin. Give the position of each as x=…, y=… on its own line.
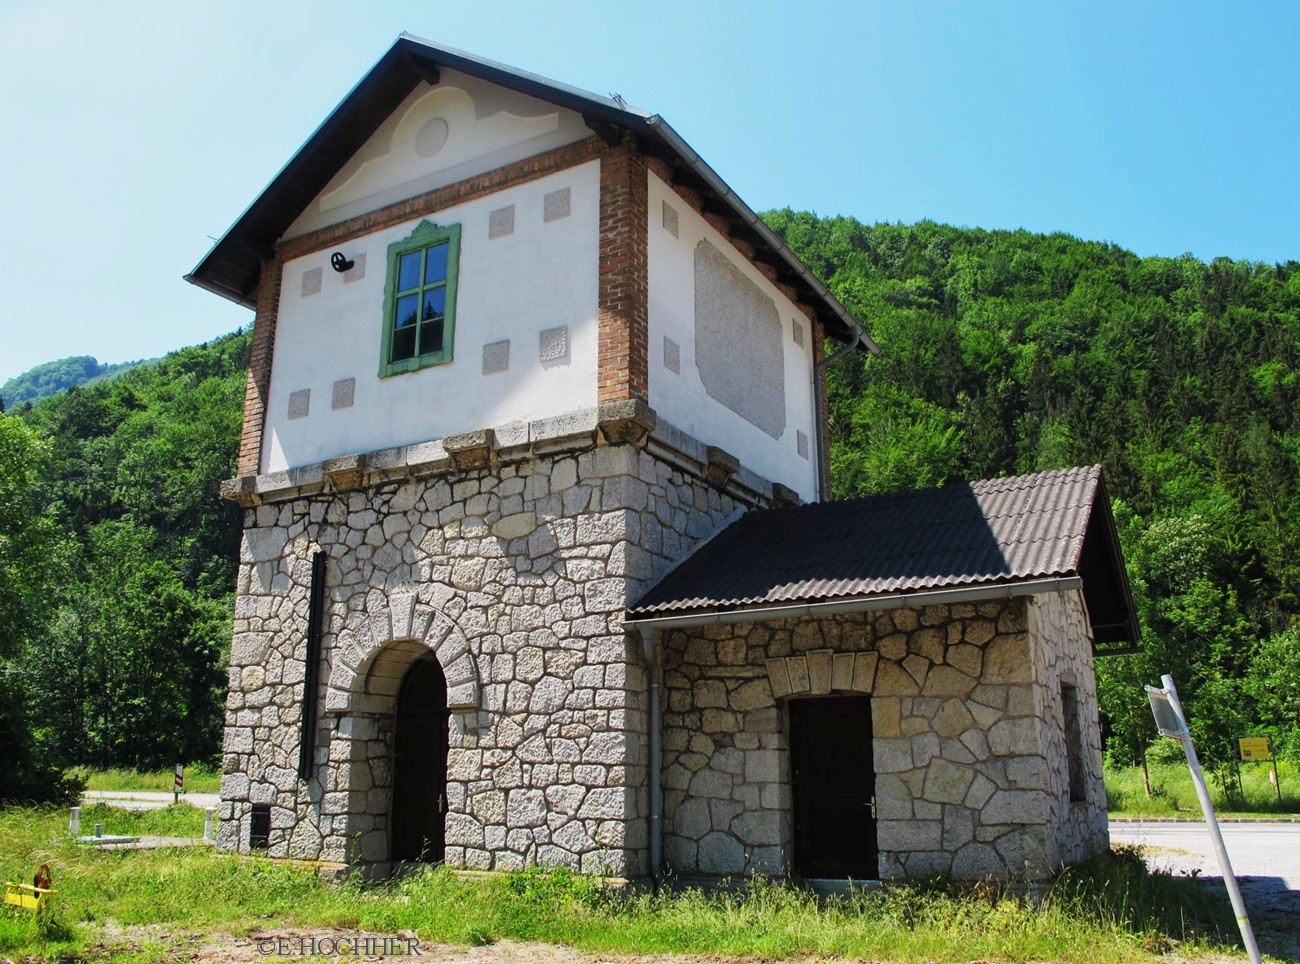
x=872, y=805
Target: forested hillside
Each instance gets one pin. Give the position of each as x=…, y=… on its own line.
x=1004, y=352
x=120, y=586
x=1010, y=352
x=53, y=377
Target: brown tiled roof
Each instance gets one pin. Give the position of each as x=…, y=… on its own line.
x=981, y=533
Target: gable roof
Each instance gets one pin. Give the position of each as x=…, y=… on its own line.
x=1009, y=536
x=232, y=268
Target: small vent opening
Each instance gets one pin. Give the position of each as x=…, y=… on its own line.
x=259, y=826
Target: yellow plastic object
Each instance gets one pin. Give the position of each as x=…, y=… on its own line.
x=27, y=896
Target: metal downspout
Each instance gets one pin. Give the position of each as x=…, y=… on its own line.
x=823, y=483
x=655, y=763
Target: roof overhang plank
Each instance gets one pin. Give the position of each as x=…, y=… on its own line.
x=229, y=269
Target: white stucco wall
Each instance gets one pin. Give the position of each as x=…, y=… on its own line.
x=542, y=275
x=438, y=136
x=768, y=447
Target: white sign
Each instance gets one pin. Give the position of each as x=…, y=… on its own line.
x=1169, y=721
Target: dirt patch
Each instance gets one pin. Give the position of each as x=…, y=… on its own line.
x=326, y=944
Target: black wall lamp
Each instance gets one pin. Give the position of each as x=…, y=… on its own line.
x=339, y=263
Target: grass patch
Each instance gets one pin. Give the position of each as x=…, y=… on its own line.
x=176, y=820
x=1172, y=793
x=1110, y=911
x=198, y=779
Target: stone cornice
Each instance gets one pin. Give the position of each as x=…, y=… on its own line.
x=616, y=424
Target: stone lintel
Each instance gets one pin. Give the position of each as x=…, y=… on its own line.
x=345, y=472
x=471, y=450
x=241, y=490
x=562, y=432
x=625, y=422
x=821, y=671
x=784, y=497
x=721, y=466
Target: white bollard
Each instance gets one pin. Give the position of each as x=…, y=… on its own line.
x=74, y=822
x=210, y=824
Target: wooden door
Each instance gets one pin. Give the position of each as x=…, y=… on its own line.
x=833, y=783
x=420, y=764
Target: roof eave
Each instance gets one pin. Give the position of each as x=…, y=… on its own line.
x=721, y=190
x=1116, y=554
x=946, y=595
x=231, y=268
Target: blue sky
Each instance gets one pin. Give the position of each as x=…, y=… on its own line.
x=131, y=132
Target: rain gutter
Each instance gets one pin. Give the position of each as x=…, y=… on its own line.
x=823, y=482
x=656, y=828
x=934, y=597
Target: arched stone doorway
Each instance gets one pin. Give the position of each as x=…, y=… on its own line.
x=374, y=656
x=420, y=763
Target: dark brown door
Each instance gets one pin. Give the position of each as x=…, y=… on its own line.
x=833, y=781
x=420, y=763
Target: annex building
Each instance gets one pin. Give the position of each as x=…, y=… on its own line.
x=538, y=565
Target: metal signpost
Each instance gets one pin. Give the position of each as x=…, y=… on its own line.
x=1171, y=721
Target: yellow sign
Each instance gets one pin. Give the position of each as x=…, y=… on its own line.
x=1253, y=748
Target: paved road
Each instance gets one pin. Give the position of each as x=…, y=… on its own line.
x=147, y=799
x=1265, y=858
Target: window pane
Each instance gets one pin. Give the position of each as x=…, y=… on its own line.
x=435, y=303
x=406, y=311
x=408, y=271
x=431, y=337
x=436, y=269
x=403, y=343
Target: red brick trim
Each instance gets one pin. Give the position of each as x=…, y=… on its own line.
x=472, y=188
x=823, y=404
x=258, y=388
x=257, y=391
x=623, y=313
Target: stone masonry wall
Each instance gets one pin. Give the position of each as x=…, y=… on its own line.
x=517, y=577
x=961, y=739
x=1077, y=830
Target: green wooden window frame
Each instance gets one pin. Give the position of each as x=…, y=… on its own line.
x=422, y=270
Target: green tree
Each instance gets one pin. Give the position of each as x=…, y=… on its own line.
x=24, y=537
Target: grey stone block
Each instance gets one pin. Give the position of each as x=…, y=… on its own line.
x=357, y=271
x=556, y=204
x=496, y=356
x=299, y=403
x=344, y=393
x=553, y=344
x=501, y=222
x=670, y=219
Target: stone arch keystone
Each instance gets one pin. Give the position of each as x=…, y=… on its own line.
x=371, y=656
